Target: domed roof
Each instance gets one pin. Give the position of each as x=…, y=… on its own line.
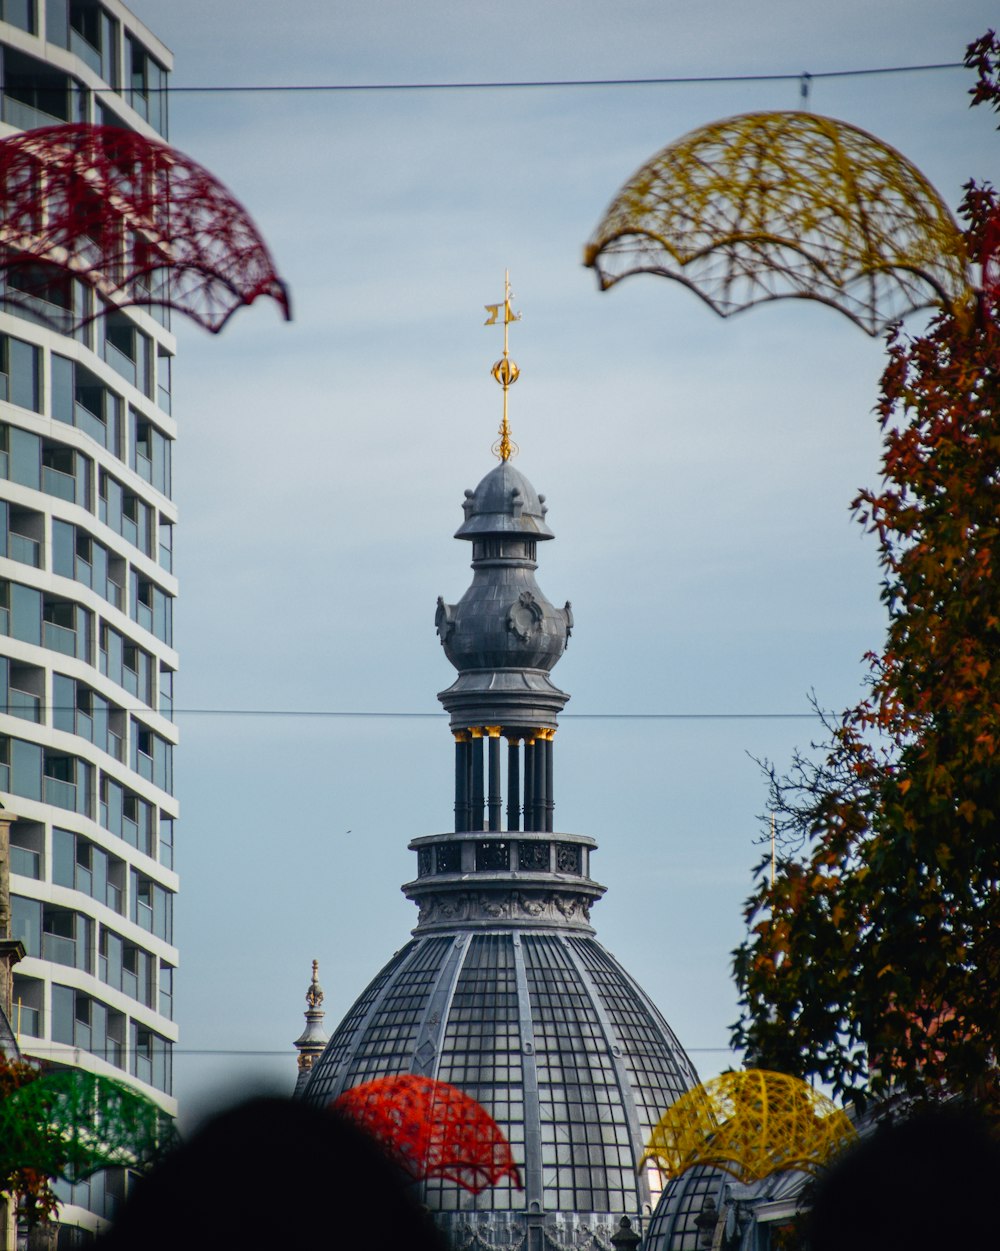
x=505, y=502
x=550, y=1034
x=692, y=1206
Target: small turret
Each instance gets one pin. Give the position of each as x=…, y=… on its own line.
x=313, y=1039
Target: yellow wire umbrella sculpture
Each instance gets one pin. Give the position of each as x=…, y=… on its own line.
x=750, y=1124
x=786, y=204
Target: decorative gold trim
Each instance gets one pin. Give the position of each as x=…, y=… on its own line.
x=493, y=731
x=505, y=371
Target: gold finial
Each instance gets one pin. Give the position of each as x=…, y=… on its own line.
x=314, y=995
x=504, y=370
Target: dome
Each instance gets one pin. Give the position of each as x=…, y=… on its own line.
x=550, y=1034
x=505, y=502
x=693, y=1205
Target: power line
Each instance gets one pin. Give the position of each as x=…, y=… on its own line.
x=438, y=716
x=533, y=83
x=28, y=1045
x=344, y=714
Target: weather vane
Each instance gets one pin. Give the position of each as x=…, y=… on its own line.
x=504, y=370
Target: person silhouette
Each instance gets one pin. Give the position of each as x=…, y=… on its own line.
x=272, y=1174
x=918, y=1183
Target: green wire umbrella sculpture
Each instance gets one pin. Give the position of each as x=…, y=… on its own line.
x=71, y=1123
x=767, y=206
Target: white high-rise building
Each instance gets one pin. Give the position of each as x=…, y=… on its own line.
x=87, y=588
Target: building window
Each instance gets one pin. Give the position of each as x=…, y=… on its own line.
x=22, y=530
x=152, y=608
x=44, y=294
x=66, y=627
x=78, y=1020
x=126, y=349
x=82, y=865
x=20, y=13
x=151, y=452
x=152, y=906
x=35, y=94
x=67, y=938
x=166, y=842
x=152, y=757
x=21, y=690
x=26, y=923
x=167, y=991
x=27, y=844
x=21, y=612
x=164, y=364
x=67, y=782
x=78, y=555
x=27, y=1004
x=66, y=473
x=80, y=398
x=147, y=84
x=166, y=545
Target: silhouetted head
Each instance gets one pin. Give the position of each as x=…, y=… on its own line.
x=273, y=1173
x=922, y=1182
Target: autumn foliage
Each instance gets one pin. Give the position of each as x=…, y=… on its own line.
x=874, y=960
x=32, y=1187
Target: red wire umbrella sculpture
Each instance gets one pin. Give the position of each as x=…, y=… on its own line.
x=432, y=1129
x=787, y=204
x=133, y=219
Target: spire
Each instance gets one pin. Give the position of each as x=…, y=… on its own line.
x=504, y=370
x=312, y=1040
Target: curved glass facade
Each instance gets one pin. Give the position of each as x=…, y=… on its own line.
x=87, y=589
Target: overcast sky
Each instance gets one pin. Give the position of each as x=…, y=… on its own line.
x=698, y=474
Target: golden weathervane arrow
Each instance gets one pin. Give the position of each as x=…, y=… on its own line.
x=504, y=370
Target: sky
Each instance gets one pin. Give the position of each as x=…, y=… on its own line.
x=698, y=472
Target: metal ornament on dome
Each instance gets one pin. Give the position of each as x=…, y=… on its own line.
x=505, y=371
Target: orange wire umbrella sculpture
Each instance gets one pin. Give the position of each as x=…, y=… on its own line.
x=750, y=1124
x=787, y=204
x=129, y=217
x=432, y=1129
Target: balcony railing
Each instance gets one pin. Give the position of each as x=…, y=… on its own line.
x=27, y=1020
x=61, y=794
x=59, y=950
x=120, y=363
x=28, y=551
x=55, y=482
x=85, y=50
x=23, y=704
x=90, y=423
x=26, y=862
x=26, y=116
x=36, y=308
x=59, y=638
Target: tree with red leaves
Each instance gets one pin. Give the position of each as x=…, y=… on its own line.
x=31, y=1187
x=873, y=962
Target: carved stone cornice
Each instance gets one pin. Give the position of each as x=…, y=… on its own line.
x=446, y=909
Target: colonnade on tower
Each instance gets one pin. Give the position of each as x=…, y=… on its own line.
x=489, y=798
